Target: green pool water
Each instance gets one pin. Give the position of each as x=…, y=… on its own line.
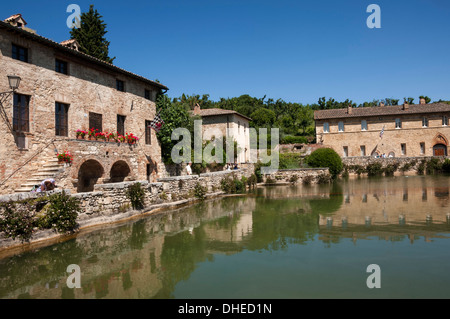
x=281, y=242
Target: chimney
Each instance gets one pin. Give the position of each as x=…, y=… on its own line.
x=18, y=21
x=381, y=104
x=349, y=109
x=71, y=44
x=405, y=106
x=197, y=109
x=422, y=101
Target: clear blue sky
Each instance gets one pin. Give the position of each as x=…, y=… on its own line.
x=295, y=50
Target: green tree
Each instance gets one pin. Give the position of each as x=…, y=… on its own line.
x=408, y=100
x=174, y=115
x=263, y=117
x=91, y=35
x=427, y=99
x=326, y=157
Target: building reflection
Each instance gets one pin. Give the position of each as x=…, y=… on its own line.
x=147, y=258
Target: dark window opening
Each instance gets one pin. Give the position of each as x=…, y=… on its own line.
x=19, y=53
x=120, y=85
x=21, y=112
x=95, y=121
x=121, y=124
x=61, y=66
x=61, y=119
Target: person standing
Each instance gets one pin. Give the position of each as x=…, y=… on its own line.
x=189, y=169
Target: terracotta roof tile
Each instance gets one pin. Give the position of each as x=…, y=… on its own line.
x=382, y=111
x=217, y=111
x=57, y=45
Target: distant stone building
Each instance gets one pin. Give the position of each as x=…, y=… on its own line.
x=232, y=125
x=61, y=91
x=393, y=131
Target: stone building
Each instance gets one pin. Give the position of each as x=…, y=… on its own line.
x=394, y=131
x=231, y=125
x=63, y=90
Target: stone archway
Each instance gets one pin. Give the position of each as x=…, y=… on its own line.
x=440, y=144
x=119, y=171
x=88, y=175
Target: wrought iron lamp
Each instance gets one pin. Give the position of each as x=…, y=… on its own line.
x=14, y=82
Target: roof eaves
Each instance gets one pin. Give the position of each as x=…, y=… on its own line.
x=59, y=46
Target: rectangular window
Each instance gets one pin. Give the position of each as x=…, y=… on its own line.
x=61, y=66
x=120, y=85
x=363, y=150
x=150, y=95
x=363, y=125
x=424, y=122
x=19, y=53
x=422, y=148
x=21, y=113
x=95, y=121
x=148, y=133
x=326, y=128
x=403, y=149
x=444, y=120
x=121, y=124
x=398, y=123
x=61, y=119
x=345, y=151
x=341, y=126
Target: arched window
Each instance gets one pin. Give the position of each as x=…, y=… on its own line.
x=398, y=123
x=326, y=127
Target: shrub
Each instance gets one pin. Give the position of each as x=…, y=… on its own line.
x=232, y=185
x=135, y=194
x=390, y=169
x=200, y=191
x=17, y=221
x=290, y=160
x=307, y=180
x=421, y=167
x=61, y=213
x=293, y=179
x=270, y=180
x=434, y=166
x=446, y=166
x=374, y=169
x=326, y=157
x=289, y=139
x=257, y=172
x=252, y=181
x=324, y=179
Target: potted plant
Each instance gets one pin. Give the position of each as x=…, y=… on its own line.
x=81, y=134
x=65, y=157
x=91, y=134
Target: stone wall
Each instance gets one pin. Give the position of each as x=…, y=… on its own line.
x=87, y=88
x=397, y=161
x=300, y=175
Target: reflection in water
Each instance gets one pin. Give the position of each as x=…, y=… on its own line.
x=261, y=245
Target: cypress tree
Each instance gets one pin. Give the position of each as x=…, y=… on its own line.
x=91, y=35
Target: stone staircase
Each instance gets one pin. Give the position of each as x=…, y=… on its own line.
x=48, y=170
